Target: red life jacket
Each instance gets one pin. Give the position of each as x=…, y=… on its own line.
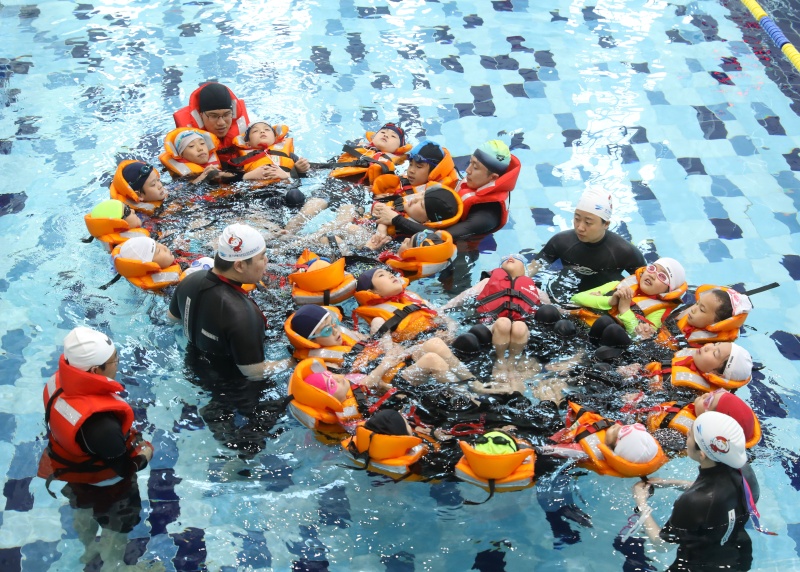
x=504, y=297
x=498, y=191
x=71, y=396
x=189, y=116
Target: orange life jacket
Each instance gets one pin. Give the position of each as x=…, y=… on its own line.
x=438, y=224
x=509, y=472
x=333, y=356
x=423, y=261
x=406, y=315
x=145, y=275
x=685, y=374
x=589, y=431
x=71, y=396
x=180, y=167
x=388, y=454
x=190, y=116
x=329, y=285
x=367, y=161
x=444, y=173
x=672, y=415
x=649, y=304
x=315, y=408
x=121, y=190
x=723, y=331
x=279, y=153
x=498, y=191
x=112, y=231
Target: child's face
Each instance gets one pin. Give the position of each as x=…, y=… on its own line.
x=342, y=387
x=196, y=152
x=707, y=401
x=418, y=172
x=652, y=280
x=163, y=257
x=386, y=284
x=414, y=205
x=704, y=312
x=153, y=190
x=386, y=140
x=133, y=220
x=261, y=134
x=514, y=267
x=478, y=175
x=335, y=338
x=589, y=227
x=711, y=357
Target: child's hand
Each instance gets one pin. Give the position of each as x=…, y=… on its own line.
x=275, y=172
x=613, y=300
x=624, y=293
x=302, y=165
x=624, y=305
x=533, y=267
x=209, y=172
x=377, y=241
x=383, y=213
x=645, y=330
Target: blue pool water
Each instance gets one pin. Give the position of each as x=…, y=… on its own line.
x=664, y=104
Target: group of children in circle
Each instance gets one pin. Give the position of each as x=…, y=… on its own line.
x=422, y=204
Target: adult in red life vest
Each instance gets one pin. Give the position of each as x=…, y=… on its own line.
x=485, y=191
x=92, y=444
x=215, y=108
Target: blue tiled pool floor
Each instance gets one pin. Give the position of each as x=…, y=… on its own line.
x=670, y=106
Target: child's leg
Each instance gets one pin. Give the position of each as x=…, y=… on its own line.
x=518, y=339
x=438, y=347
x=501, y=336
x=429, y=366
x=312, y=208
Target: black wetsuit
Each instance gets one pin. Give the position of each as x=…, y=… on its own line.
x=594, y=263
x=710, y=509
x=483, y=218
x=222, y=322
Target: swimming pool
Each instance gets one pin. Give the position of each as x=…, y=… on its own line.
x=626, y=95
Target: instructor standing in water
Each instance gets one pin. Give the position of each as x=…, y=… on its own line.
x=591, y=253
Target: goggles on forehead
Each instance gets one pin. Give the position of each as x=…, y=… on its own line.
x=144, y=172
x=327, y=330
x=662, y=277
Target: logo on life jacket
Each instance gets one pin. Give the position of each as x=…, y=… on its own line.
x=720, y=445
x=235, y=243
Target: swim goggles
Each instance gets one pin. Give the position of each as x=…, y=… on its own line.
x=497, y=440
x=709, y=398
x=126, y=211
x=307, y=264
x=515, y=256
x=662, y=277
x=141, y=178
x=327, y=330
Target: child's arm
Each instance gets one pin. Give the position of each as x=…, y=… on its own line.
x=469, y=293
x=595, y=298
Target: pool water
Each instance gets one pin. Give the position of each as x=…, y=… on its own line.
x=674, y=107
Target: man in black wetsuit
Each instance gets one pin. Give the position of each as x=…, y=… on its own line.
x=592, y=253
x=707, y=520
x=218, y=316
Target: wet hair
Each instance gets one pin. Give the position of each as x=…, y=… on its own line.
x=725, y=309
x=225, y=265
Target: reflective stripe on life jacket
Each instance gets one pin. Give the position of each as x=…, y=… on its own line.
x=498, y=191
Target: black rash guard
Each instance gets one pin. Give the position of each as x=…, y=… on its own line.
x=594, y=263
x=219, y=319
x=482, y=219
x=711, y=509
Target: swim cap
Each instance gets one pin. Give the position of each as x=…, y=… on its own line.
x=184, y=138
x=307, y=319
x=397, y=129
x=565, y=328
x=323, y=380
x=426, y=238
x=740, y=303
x=138, y=248
x=721, y=438
x=240, y=242
x=365, y=279
x=494, y=155
x=427, y=152
x=482, y=333
x=294, y=197
x=204, y=263
x=547, y=314
x=440, y=204
x=214, y=96
x=635, y=444
x=732, y=405
x=387, y=422
x=674, y=271
x=85, y=348
x=596, y=203
x=132, y=173
x=466, y=344
x=111, y=208
x=739, y=365
x=495, y=443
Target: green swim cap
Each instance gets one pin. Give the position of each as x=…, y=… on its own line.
x=495, y=155
x=495, y=443
x=111, y=208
